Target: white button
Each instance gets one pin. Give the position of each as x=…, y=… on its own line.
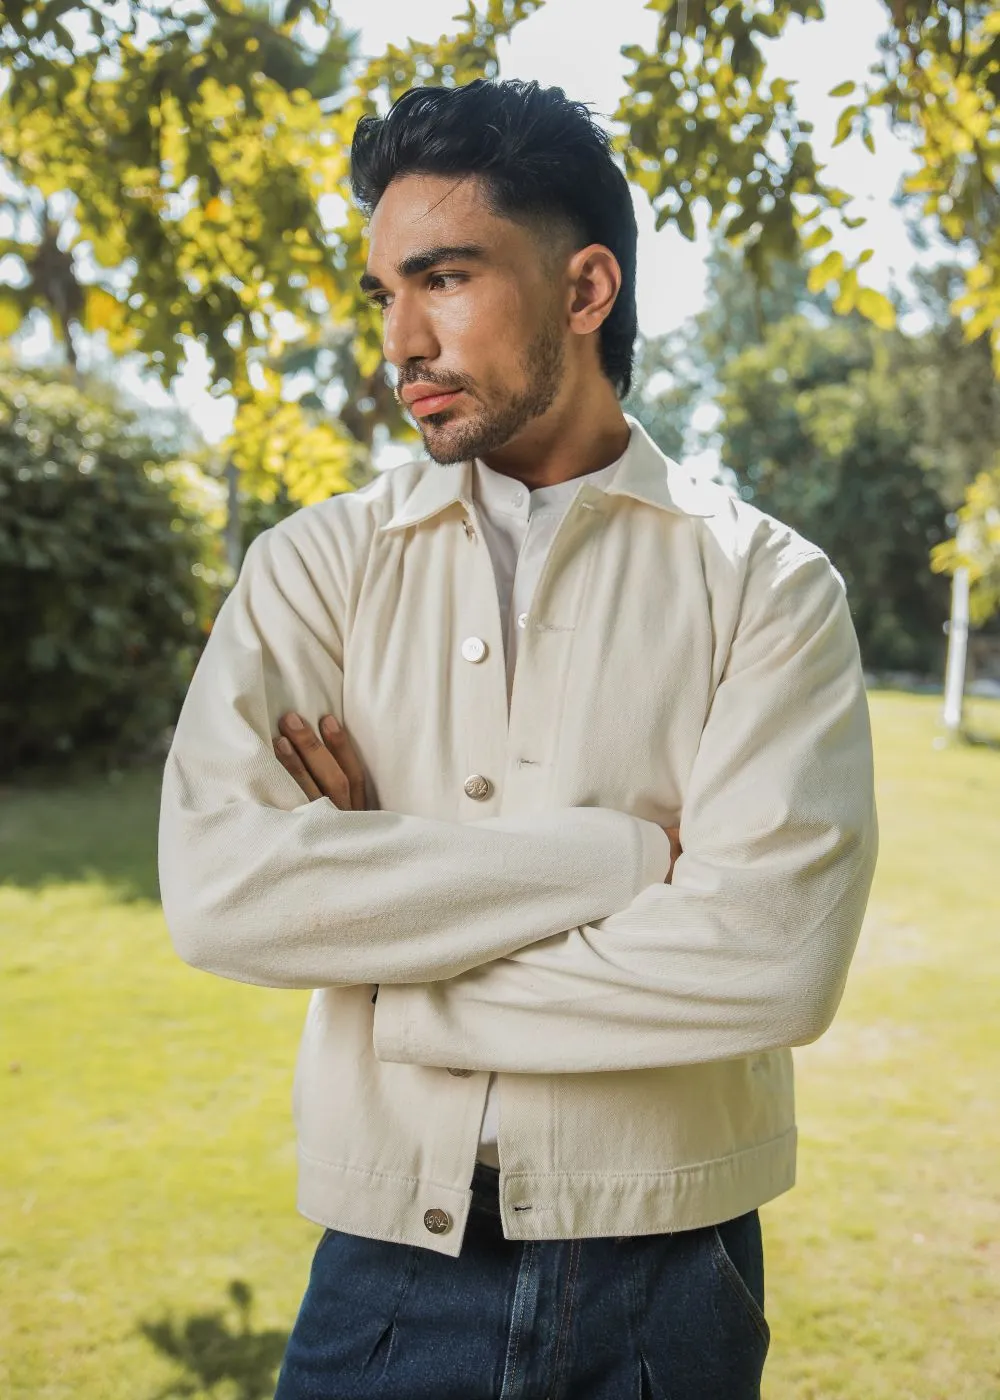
x=518, y=497
x=522, y=620
x=474, y=648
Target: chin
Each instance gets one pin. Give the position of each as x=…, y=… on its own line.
x=449, y=438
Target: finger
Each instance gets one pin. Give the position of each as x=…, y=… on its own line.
x=290, y=760
x=336, y=738
x=319, y=762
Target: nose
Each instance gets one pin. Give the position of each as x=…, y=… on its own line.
x=407, y=333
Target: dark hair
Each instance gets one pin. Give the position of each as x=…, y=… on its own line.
x=541, y=158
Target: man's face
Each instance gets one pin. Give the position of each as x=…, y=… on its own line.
x=474, y=314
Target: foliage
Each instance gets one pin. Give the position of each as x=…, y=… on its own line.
x=661, y=396
x=705, y=125
x=818, y=429
x=955, y=394
x=106, y=577
x=205, y=150
x=976, y=545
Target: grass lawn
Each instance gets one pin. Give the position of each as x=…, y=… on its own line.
x=149, y=1245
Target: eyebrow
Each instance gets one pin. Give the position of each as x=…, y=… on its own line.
x=423, y=262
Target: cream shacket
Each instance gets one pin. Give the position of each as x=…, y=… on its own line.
x=686, y=659
x=518, y=526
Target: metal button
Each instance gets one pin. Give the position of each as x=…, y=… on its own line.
x=522, y=620
x=437, y=1221
x=474, y=648
x=478, y=787
x=460, y=1073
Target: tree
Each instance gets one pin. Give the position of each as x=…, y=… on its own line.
x=706, y=125
x=184, y=174
x=819, y=434
x=976, y=545
x=955, y=397
x=662, y=394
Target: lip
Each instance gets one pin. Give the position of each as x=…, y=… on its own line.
x=424, y=399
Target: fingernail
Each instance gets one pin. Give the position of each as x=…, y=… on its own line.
x=283, y=746
x=330, y=722
x=292, y=720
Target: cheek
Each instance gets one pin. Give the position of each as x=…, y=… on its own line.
x=485, y=334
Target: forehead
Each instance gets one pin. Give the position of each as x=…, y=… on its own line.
x=422, y=211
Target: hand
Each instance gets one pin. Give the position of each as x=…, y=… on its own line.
x=674, y=833
x=327, y=767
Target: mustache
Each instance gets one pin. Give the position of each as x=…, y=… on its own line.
x=446, y=383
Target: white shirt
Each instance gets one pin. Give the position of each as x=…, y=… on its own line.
x=518, y=526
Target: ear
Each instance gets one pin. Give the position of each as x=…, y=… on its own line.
x=595, y=278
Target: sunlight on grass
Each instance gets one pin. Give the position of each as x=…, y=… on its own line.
x=149, y=1245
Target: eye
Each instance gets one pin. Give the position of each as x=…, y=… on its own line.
x=380, y=299
x=444, y=279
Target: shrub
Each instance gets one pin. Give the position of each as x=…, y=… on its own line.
x=106, y=583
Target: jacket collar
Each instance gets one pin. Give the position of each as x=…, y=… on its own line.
x=645, y=473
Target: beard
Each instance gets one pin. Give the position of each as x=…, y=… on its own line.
x=494, y=426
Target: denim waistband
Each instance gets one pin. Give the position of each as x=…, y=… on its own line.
x=486, y=1188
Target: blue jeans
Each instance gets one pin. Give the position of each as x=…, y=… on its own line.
x=644, y=1317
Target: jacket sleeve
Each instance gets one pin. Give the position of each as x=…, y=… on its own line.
x=261, y=885
x=748, y=948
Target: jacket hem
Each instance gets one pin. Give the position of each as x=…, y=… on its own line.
x=566, y=1205
x=548, y=1205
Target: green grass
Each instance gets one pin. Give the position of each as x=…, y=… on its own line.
x=149, y=1245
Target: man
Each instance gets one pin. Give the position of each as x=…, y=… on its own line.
x=550, y=768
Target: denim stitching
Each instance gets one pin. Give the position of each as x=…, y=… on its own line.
x=519, y=1296
x=736, y=1282
x=575, y=1250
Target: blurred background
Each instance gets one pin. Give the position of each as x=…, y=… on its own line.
x=185, y=359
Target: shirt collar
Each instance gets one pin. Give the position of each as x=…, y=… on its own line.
x=643, y=472
x=504, y=495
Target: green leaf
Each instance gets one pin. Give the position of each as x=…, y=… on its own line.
x=844, y=123
x=817, y=238
x=848, y=296
x=842, y=89
x=831, y=267
x=10, y=316
x=876, y=308
x=685, y=222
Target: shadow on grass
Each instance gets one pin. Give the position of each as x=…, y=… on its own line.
x=98, y=827
x=981, y=741
x=209, y=1349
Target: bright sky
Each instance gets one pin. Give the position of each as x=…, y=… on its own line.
x=577, y=46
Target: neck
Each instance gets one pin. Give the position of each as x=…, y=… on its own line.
x=580, y=433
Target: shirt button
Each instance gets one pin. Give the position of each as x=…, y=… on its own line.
x=437, y=1221
x=522, y=620
x=474, y=648
x=460, y=1073
x=518, y=497
x=478, y=787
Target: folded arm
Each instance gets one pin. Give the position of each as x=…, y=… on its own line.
x=262, y=885
x=748, y=948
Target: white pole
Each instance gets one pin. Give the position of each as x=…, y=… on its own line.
x=958, y=637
